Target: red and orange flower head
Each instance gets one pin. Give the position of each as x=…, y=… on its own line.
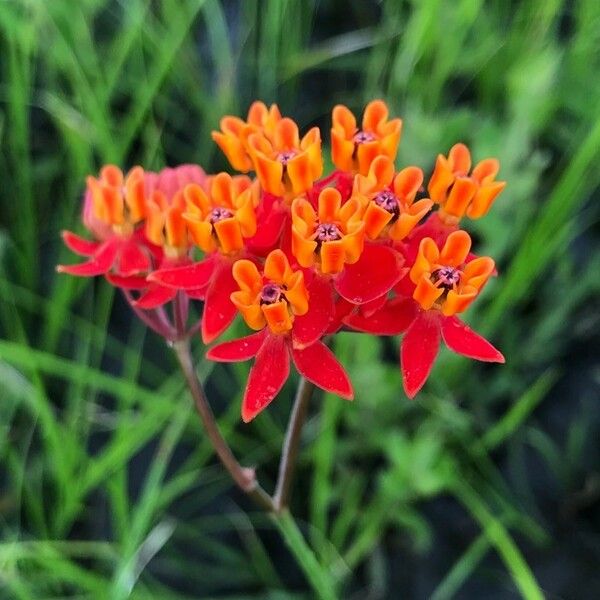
x=389, y=203
x=460, y=191
x=272, y=299
x=330, y=237
x=233, y=137
x=354, y=149
x=286, y=165
x=222, y=217
x=443, y=279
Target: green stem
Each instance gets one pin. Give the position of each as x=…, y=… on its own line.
x=319, y=578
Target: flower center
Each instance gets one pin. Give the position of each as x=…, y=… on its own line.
x=446, y=277
x=285, y=157
x=218, y=214
x=328, y=232
x=388, y=201
x=271, y=293
x=362, y=137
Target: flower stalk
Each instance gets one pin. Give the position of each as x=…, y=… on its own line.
x=244, y=477
x=291, y=444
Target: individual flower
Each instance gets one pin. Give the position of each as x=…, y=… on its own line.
x=442, y=278
x=331, y=240
x=354, y=149
x=460, y=191
x=444, y=283
x=286, y=165
x=290, y=322
x=114, y=206
x=222, y=217
x=390, y=210
x=329, y=237
x=233, y=137
x=220, y=221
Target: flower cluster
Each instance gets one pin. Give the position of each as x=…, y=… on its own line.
x=299, y=256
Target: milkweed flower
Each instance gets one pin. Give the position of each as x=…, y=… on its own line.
x=290, y=324
x=219, y=220
x=233, y=137
x=445, y=283
x=285, y=164
x=460, y=191
x=388, y=199
x=114, y=206
x=354, y=149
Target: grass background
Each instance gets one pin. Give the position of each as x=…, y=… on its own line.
x=487, y=486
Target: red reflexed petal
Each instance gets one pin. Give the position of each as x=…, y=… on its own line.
x=267, y=376
x=419, y=348
x=342, y=309
x=78, y=244
x=219, y=310
x=127, y=283
x=190, y=277
x=133, y=259
x=310, y=327
x=268, y=232
x=100, y=264
x=237, y=350
x=463, y=340
x=392, y=319
x=369, y=308
x=198, y=294
x=375, y=273
x=319, y=365
x=156, y=296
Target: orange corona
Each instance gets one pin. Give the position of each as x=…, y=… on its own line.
x=285, y=164
x=444, y=280
x=460, y=191
x=388, y=200
x=354, y=149
x=329, y=237
x=223, y=217
x=118, y=200
x=273, y=299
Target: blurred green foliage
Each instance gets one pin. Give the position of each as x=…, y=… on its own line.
x=109, y=489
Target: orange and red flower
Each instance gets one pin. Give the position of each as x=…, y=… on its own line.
x=286, y=165
x=354, y=149
x=278, y=304
x=233, y=137
x=460, y=191
x=388, y=199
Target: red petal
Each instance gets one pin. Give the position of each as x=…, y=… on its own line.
x=100, y=264
x=219, y=310
x=310, y=327
x=190, y=277
x=237, y=350
x=419, y=348
x=373, y=306
x=198, y=294
x=268, y=231
x=463, y=340
x=156, y=296
x=78, y=244
x=375, y=273
x=394, y=318
x=267, y=376
x=318, y=364
x=133, y=259
x=127, y=283
x=342, y=309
